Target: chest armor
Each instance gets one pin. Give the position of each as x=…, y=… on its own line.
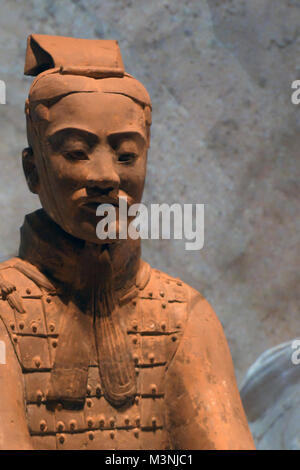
x=153, y=320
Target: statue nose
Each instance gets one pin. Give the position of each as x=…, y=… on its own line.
x=103, y=177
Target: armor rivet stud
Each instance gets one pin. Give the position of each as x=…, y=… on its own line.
x=151, y=357
x=136, y=433
x=37, y=361
x=54, y=343
x=91, y=435
x=112, y=422
x=21, y=325
x=174, y=338
x=134, y=302
x=138, y=420
x=39, y=396
x=15, y=338
x=48, y=300
x=12, y=325
x=134, y=340
x=73, y=424
x=43, y=425
x=162, y=294
x=89, y=402
x=102, y=421
x=88, y=389
x=127, y=421
x=134, y=325
x=164, y=305
x=154, y=421
x=90, y=422
x=60, y=426
x=136, y=358
x=98, y=391
x=112, y=434
x=163, y=325
x=179, y=283
x=52, y=327
x=137, y=371
x=150, y=294
x=28, y=291
x=61, y=439
x=153, y=388
x=34, y=327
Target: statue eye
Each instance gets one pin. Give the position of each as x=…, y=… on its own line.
x=127, y=157
x=75, y=155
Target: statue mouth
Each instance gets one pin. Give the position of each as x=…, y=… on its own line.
x=91, y=204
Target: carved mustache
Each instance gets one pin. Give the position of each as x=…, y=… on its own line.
x=93, y=201
x=97, y=200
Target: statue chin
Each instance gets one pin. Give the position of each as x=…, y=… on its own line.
x=89, y=227
x=90, y=234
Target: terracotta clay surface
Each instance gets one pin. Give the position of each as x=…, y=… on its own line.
x=102, y=351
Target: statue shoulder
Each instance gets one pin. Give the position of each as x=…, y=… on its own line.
x=19, y=280
x=183, y=304
x=24, y=277
x=8, y=286
x=186, y=304
x=174, y=289
x=162, y=284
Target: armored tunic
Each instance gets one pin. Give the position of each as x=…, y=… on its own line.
x=151, y=332
x=153, y=317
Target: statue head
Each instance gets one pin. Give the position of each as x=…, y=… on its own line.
x=88, y=130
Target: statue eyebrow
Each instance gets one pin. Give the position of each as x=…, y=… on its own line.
x=57, y=137
x=115, y=137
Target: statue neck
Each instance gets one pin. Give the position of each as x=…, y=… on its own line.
x=74, y=262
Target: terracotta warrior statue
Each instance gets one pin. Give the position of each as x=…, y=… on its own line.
x=102, y=350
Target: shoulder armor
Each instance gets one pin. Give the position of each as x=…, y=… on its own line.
x=25, y=292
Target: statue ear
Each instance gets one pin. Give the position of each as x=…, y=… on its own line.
x=30, y=170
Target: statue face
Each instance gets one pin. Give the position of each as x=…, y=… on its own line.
x=94, y=150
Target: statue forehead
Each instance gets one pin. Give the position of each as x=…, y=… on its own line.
x=96, y=112
x=48, y=86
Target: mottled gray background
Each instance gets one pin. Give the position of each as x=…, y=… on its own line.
x=224, y=133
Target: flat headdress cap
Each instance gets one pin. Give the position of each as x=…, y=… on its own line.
x=68, y=65
x=46, y=52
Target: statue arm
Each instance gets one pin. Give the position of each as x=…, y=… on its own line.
x=204, y=409
x=14, y=432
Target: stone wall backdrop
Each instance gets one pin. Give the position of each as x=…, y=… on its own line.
x=225, y=133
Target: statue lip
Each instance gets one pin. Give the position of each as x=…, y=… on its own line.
x=92, y=203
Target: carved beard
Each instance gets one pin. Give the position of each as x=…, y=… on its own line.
x=115, y=363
